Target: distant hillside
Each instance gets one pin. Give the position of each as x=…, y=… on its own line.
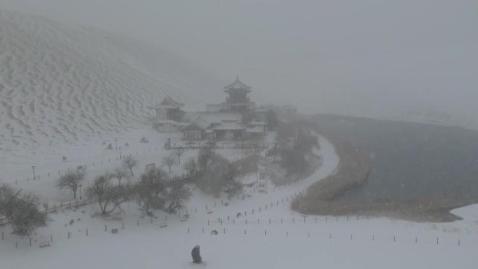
x=62, y=83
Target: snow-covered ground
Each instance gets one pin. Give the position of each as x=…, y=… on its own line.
x=266, y=234
x=67, y=93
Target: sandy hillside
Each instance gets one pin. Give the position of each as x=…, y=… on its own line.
x=60, y=84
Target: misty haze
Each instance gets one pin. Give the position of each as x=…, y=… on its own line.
x=238, y=134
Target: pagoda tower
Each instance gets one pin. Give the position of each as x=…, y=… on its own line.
x=237, y=99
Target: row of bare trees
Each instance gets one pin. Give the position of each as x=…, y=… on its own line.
x=72, y=179
x=154, y=190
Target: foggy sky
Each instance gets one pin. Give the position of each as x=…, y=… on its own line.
x=368, y=57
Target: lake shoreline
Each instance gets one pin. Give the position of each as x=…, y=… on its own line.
x=323, y=197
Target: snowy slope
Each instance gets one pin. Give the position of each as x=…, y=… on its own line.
x=175, y=72
x=63, y=83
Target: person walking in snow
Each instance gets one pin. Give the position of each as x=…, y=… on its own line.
x=196, y=254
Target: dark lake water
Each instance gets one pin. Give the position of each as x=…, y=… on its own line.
x=410, y=161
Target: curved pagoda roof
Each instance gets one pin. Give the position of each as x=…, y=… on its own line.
x=237, y=85
x=170, y=103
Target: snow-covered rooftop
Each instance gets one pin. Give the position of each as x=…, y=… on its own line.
x=206, y=119
x=229, y=126
x=237, y=85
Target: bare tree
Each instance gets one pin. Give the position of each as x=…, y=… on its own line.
x=169, y=161
x=7, y=195
x=21, y=211
x=149, y=190
x=72, y=180
x=175, y=195
x=120, y=173
x=216, y=174
x=129, y=163
x=108, y=196
x=154, y=191
x=191, y=168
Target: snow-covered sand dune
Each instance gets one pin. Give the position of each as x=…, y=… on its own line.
x=64, y=83
x=65, y=89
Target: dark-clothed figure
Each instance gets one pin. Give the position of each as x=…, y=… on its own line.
x=196, y=254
